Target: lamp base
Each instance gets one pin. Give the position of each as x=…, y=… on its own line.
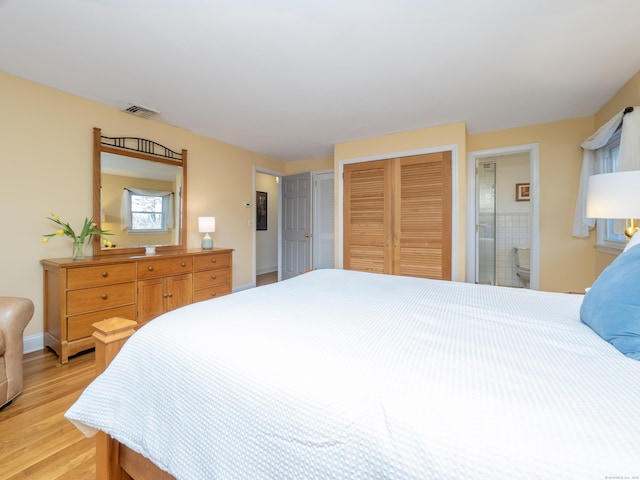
x=207, y=242
x=632, y=227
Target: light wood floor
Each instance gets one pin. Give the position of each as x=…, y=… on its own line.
x=36, y=441
x=266, y=278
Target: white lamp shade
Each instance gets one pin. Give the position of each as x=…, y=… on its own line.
x=206, y=224
x=614, y=195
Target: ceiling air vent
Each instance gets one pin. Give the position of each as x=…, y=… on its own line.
x=139, y=111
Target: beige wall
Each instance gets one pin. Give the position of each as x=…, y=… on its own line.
x=566, y=263
x=415, y=140
x=627, y=96
x=46, y=151
x=46, y=158
x=309, y=165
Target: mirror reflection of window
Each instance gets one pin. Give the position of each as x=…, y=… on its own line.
x=147, y=213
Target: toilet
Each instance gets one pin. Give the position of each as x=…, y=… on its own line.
x=521, y=256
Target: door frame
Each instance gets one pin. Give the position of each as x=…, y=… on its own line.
x=408, y=153
x=471, y=253
x=274, y=173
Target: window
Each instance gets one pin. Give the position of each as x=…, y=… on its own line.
x=608, y=163
x=147, y=213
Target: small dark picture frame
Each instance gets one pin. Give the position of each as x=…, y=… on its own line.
x=261, y=210
x=522, y=192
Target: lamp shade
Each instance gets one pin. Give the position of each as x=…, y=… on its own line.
x=614, y=195
x=206, y=224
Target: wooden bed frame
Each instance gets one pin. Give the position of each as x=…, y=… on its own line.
x=115, y=461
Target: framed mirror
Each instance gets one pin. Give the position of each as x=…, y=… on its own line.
x=139, y=195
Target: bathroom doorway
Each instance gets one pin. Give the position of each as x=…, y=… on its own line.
x=503, y=219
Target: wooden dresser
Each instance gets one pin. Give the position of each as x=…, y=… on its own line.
x=78, y=294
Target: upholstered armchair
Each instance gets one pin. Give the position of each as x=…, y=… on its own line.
x=15, y=313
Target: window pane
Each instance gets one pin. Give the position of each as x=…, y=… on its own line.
x=146, y=212
x=612, y=152
x=146, y=221
x=146, y=203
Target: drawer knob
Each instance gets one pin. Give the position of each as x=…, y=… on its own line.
x=213, y=294
x=184, y=264
x=150, y=269
x=169, y=295
x=214, y=260
x=105, y=274
x=214, y=276
x=164, y=295
x=104, y=296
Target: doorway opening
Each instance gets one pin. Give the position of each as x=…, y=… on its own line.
x=503, y=217
x=267, y=227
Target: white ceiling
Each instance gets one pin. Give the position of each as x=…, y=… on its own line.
x=291, y=78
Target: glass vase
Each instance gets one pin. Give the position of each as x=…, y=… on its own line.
x=78, y=250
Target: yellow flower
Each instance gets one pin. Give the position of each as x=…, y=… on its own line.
x=56, y=218
x=45, y=240
x=60, y=232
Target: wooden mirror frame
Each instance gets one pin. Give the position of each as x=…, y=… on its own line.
x=145, y=150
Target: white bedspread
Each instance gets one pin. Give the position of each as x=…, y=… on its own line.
x=346, y=375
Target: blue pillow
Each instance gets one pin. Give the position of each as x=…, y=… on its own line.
x=612, y=306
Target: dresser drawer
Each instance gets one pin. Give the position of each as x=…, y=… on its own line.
x=211, y=278
x=207, y=262
x=80, y=326
x=100, y=275
x=164, y=267
x=211, y=292
x=100, y=298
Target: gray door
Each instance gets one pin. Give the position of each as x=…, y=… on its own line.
x=323, y=221
x=296, y=224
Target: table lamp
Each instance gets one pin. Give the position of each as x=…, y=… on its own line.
x=615, y=195
x=207, y=225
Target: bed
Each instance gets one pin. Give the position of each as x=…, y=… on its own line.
x=339, y=374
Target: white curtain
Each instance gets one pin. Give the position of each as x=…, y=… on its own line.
x=125, y=207
x=630, y=142
x=629, y=159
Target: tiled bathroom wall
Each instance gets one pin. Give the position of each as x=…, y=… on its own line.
x=512, y=230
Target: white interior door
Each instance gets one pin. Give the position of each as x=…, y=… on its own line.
x=296, y=224
x=323, y=220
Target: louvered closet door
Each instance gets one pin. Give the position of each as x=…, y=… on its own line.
x=397, y=216
x=422, y=216
x=367, y=217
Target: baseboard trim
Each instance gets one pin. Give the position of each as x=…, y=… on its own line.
x=33, y=343
x=263, y=270
x=246, y=286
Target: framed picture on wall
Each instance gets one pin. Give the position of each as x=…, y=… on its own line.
x=261, y=210
x=522, y=192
